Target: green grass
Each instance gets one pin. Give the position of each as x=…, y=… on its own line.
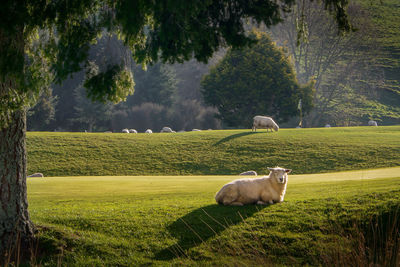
x=224, y=152
x=173, y=220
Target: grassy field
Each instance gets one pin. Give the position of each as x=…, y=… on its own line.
x=326, y=219
x=224, y=152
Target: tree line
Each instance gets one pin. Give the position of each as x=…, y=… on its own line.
x=346, y=83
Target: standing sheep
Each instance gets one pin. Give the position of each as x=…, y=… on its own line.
x=372, y=123
x=166, y=130
x=268, y=189
x=263, y=122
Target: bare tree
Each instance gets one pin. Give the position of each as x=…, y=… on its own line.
x=319, y=53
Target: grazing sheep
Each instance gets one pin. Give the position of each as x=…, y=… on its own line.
x=327, y=126
x=372, y=123
x=166, y=130
x=125, y=130
x=249, y=173
x=38, y=174
x=132, y=131
x=263, y=122
x=268, y=189
x=196, y=130
x=149, y=131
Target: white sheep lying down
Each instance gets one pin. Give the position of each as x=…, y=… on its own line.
x=263, y=122
x=262, y=191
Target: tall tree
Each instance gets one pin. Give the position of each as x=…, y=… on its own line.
x=45, y=40
x=91, y=116
x=254, y=81
x=157, y=84
x=43, y=113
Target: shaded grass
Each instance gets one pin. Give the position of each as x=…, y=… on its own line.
x=162, y=221
x=224, y=152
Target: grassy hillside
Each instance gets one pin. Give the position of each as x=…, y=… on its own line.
x=326, y=219
x=225, y=152
x=385, y=16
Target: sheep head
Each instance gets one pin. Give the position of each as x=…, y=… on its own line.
x=280, y=174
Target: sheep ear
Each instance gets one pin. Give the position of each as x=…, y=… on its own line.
x=288, y=170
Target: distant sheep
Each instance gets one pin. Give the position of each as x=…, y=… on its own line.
x=372, y=123
x=327, y=126
x=125, y=130
x=149, y=131
x=196, y=130
x=166, y=130
x=38, y=174
x=132, y=131
x=268, y=189
x=262, y=122
x=249, y=173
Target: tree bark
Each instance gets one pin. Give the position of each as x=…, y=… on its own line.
x=16, y=229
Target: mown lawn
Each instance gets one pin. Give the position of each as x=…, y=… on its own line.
x=222, y=152
x=167, y=220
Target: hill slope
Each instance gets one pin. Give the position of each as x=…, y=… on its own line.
x=164, y=221
x=225, y=152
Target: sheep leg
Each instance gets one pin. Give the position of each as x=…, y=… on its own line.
x=237, y=204
x=271, y=202
x=261, y=203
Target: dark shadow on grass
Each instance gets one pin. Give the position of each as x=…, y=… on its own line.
x=202, y=224
x=234, y=136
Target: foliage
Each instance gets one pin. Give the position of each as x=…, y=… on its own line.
x=222, y=152
x=157, y=84
x=174, y=220
x=90, y=115
x=41, y=115
x=255, y=81
x=170, y=87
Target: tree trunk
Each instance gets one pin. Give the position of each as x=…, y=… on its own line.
x=16, y=229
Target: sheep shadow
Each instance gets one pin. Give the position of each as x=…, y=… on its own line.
x=234, y=136
x=202, y=224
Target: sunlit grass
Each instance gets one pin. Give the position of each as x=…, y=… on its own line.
x=163, y=220
x=223, y=152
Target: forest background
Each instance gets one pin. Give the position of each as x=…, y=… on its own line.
x=356, y=76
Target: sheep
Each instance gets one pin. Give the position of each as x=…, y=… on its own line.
x=249, y=173
x=166, y=130
x=261, y=191
x=327, y=126
x=132, y=131
x=37, y=174
x=263, y=122
x=196, y=130
x=149, y=131
x=372, y=123
x=125, y=130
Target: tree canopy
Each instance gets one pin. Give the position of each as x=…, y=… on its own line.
x=258, y=80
